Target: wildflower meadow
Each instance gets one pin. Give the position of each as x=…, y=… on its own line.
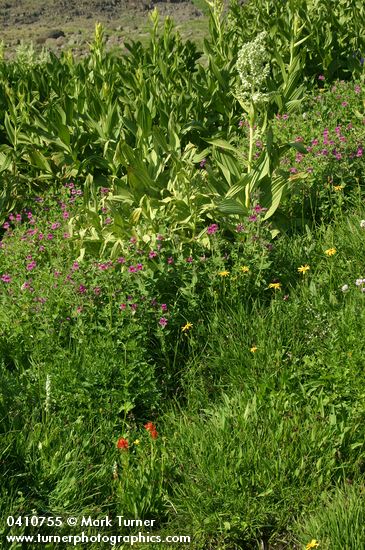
x=182, y=286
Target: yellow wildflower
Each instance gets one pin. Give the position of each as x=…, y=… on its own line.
x=338, y=187
x=275, y=286
x=312, y=544
x=223, y=273
x=330, y=251
x=245, y=269
x=303, y=269
x=253, y=349
x=136, y=442
x=186, y=327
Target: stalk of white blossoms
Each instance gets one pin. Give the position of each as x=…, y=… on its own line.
x=253, y=69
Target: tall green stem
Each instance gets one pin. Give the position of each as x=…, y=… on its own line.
x=250, y=151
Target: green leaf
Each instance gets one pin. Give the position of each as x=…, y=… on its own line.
x=223, y=144
x=231, y=206
x=10, y=130
x=5, y=161
x=272, y=194
x=198, y=157
x=144, y=119
x=38, y=159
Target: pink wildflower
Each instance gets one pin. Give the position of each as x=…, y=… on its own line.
x=213, y=228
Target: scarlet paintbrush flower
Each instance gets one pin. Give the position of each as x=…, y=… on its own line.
x=154, y=434
x=122, y=443
x=150, y=427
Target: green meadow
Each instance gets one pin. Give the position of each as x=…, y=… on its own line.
x=182, y=286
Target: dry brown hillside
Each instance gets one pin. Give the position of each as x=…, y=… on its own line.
x=60, y=24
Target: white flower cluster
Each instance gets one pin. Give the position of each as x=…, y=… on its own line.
x=253, y=69
x=48, y=393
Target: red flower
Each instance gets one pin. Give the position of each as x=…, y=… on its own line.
x=122, y=443
x=150, y=427
x=154, y=434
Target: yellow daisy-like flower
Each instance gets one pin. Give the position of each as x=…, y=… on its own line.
x=303, y=269
x=253, y=349
x=136, y=442
x=223, y=273
x=330, y=251
x=312, y=544
x=338, y=187
x=186, y=327
x=245, y=269
x=275, y=286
